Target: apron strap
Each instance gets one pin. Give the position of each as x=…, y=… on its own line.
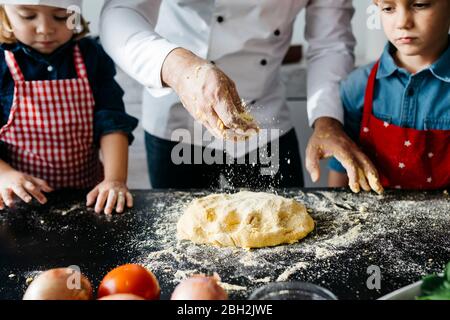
x=13, y=66
x=370, y=88
x=80, y=67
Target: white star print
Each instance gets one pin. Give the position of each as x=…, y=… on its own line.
x=430, y=155
x=386, y=124
x=366, y=129
x=408, y=143
x=401, y=165
x=430, y=179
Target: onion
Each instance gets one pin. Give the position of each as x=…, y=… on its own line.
x=200, y=287
x=59, y=284
x=122, y=296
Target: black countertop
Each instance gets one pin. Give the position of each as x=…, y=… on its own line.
x=405, y=234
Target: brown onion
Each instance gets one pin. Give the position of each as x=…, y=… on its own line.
x=59, y=284
x=200, y=287
x=122, y=296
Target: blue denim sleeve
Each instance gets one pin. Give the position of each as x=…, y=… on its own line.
x=335, y=165
x=352, y=91
x=110, y=115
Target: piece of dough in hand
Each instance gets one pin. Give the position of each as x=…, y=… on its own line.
x=245, y=219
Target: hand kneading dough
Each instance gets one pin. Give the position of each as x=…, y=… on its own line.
x=244, y=219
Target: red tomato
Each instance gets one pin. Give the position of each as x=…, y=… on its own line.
x=130, y=278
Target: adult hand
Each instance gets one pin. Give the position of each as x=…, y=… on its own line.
x=209, y=95
x=26, y=187
x=330, y=140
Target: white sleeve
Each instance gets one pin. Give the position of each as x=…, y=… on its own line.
x=127, y=31
x=330, y=55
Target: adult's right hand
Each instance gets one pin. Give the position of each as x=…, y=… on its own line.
x=208, y=94
x=330, y=140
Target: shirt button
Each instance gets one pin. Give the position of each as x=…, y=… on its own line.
x=50, y=68
x=253, y=102
x=277, y=32
x=263, y=62
x=220, y=19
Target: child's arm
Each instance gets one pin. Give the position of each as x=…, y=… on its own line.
x=113, y=191
x=364, y=174
x=337, y=179
x=113, y=129
x=24, y=186
x=13, y=182
x=114, y=148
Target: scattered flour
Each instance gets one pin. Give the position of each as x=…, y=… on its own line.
x=380, y=230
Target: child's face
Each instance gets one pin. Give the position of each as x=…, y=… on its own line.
x=41, y=27
x=415, y=27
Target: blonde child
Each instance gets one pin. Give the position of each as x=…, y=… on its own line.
x=60, y=105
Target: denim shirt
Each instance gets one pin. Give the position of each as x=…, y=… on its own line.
x=420, y=101
x=109, y=112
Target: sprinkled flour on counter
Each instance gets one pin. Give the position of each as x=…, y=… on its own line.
x=354, y=231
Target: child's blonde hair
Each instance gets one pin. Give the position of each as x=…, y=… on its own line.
x=7, y=33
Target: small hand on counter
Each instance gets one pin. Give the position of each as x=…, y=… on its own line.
x=25, y=187
x=109, y=196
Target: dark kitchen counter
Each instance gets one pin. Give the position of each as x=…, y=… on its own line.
x=405, y=234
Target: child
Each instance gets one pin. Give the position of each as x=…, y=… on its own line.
x=398, y=109
x=59, y=104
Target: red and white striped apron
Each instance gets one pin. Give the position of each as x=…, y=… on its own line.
x=49, y=133
x=406, y=158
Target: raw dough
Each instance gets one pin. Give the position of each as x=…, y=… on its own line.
x=245, y=219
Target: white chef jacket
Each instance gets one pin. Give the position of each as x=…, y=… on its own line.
x=247, y=39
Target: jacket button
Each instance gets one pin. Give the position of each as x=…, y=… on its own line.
x=263, y=62
x=220, y=19
x=411, y=92
x=50, y=68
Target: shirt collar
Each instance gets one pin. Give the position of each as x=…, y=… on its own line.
x=440, y=69
x=387, y=64
x=18, y=47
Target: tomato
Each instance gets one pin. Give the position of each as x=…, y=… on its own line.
x=132, y=279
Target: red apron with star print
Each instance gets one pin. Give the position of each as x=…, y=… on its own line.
x=49, y=133
x=405, y=158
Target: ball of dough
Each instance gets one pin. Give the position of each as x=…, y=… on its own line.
x=245, y=219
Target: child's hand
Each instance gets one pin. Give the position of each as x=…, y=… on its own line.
x=113, y=193
x=22, y=185
x=329, y=139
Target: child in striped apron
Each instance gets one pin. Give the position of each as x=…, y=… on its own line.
x=60, y=108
